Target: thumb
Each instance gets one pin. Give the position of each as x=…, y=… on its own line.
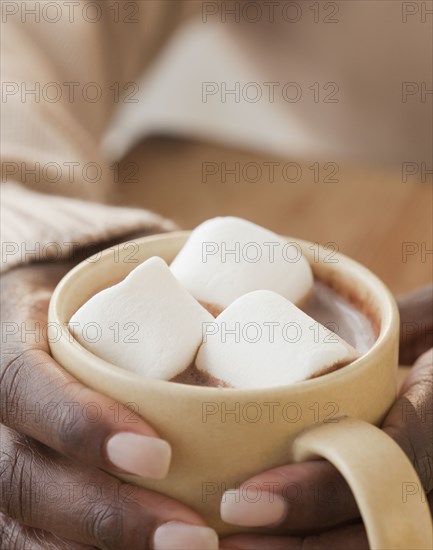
x=410, y=420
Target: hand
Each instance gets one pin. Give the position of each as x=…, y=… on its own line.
x=58, y=436
x=416, y=324
x=326, y=513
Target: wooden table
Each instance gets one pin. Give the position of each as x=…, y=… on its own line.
x=371, y=214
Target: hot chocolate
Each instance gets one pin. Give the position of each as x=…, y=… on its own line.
x=218, y=317
x=326, y=306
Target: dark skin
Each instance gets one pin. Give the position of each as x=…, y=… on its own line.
x=54, y=493
x=335, y=522
x=50, y=465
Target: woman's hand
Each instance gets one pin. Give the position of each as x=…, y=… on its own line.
x=312, y=497
x=58, y=436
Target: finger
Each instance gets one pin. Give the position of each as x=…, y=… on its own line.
x=313, y=495
x=416, y=324
x=298, y=497
x=38, y=398
x=410, y=421
x=47, y=491
x=25, y=294
x=352, y=537
x=19, y=537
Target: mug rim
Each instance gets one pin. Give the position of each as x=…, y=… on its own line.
x=387, y=313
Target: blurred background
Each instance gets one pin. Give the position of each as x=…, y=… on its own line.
x=313, y=119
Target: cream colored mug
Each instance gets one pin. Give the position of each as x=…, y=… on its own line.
x=222, y=437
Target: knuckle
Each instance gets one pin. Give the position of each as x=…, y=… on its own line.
x=15, y=536
x=15, y=475
x=9, y=533
x=107, y=525
x=14, y=384
x=71, y=429
x=417, y=430
x=410, y=423
x=414, y=446
x=11, y=376
x=121, y=521
x=75, y=427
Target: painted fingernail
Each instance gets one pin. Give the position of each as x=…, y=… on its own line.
x=178, y=536
x=139, y=454
x=246, y=508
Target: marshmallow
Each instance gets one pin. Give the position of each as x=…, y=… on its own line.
x=148, y=323
x=263, y=340
x=227, y=257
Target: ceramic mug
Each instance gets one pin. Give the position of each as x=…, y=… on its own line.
x=222, y=437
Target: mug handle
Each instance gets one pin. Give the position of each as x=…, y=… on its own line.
x=377, y=471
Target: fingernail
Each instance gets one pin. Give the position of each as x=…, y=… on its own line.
x=178, y=536
x=139, y=454
x=245, y=507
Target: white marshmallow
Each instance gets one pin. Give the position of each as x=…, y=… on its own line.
x=148, y=323
x=271, y=343
x=263, y=261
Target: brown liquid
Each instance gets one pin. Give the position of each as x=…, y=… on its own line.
x=342, y=316
x=325, y=306
x=195, y=377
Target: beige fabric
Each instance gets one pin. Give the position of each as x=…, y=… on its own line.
x=51, y=125
x=37, y=227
